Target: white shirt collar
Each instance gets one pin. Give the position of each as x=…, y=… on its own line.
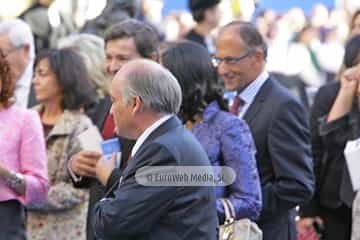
x=147, y=133
x=249, y=93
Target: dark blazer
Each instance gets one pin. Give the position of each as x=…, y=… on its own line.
x=196, y=37
x=334, y=194
x=146, y=212
x=279, y=124
x=97, y=190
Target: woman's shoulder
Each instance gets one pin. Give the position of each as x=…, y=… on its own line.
x=228, y=119
x=24, y=113
x=79, y=118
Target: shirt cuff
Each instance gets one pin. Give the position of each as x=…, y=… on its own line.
x=74, y=177
x=326, y=127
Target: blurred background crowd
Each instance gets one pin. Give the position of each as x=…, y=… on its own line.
x=305, y=38
x=59, y=57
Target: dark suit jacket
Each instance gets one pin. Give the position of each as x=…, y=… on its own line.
x=279, y=124
x=328, y=144
x=147, y=212
x=195, y=37
x=97, y=191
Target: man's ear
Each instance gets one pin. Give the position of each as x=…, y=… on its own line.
x=26, y=49
x=155, y=56
x=138, y=105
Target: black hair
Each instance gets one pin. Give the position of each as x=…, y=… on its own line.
x=198, y=8
x=146, y=37
x=191, y=64
x=352, y=52
x=72, y=77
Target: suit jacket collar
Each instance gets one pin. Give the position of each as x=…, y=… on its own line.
x=259, y=100
x=171, y=123
x=104, y=109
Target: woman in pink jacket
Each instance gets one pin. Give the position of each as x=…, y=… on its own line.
x=23, y=161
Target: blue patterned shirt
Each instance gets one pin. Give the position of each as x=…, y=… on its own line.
x=227, y=141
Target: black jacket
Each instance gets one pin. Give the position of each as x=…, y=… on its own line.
x=97, y=191
x=139, y=212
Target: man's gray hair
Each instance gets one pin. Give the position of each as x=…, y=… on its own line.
x=249, y=34
x=19, y=33
x=155, y=85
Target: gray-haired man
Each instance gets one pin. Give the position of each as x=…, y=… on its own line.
x=146, y=97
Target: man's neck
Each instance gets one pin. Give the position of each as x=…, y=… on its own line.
x=203, y=29
x=147, y=121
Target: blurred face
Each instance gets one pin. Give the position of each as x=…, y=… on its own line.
x=121, y=111
x=213, y=15
x=17, y=56
x=355, y=30
x=46, y=86
x=118, y=52
x=237, y=65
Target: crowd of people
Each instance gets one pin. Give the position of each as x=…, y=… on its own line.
x=275, y=100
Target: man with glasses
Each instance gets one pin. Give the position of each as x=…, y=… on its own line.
x=278, y=123
x=17, y=44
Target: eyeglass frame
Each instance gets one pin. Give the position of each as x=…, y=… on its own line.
x=11, y=50
x=231, y=60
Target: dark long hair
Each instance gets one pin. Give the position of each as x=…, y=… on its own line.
x=72, y=76
x=191, y=64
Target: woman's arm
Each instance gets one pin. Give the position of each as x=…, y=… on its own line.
x=33, y=160
x=14, y=180
x=238, y=149
x=348, y=90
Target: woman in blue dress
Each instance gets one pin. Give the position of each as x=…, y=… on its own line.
x=225, y=137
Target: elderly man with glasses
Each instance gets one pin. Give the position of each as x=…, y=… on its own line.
x=278, y=122
x=17, y=44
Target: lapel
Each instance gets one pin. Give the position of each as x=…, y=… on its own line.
x=260, y=98
x=103, y=111
x=171, y=123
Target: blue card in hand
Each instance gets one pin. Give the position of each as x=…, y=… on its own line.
x=109, y=147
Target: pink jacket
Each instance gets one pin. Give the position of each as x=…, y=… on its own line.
x=22, y=149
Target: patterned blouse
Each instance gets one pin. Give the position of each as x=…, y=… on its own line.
x=63, y=214
x=227, y=141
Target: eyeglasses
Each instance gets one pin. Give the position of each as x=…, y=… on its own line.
x=231, y=60
x=11, y=50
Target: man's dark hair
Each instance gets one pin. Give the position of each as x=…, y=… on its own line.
x=72, y=77
x=249, y=34
x=146, y=38
x=198, y=8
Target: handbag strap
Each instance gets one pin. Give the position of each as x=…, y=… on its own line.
x=231, y=207
x=228, y=209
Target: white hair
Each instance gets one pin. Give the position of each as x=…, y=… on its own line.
x=157, y=87
x=19, y=33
